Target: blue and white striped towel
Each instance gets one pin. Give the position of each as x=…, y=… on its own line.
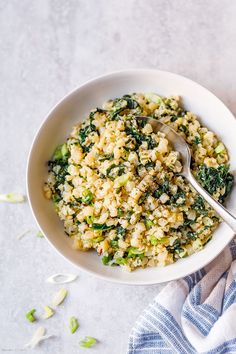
x=196, y=314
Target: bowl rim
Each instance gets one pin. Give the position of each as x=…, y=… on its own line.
x=113, y=74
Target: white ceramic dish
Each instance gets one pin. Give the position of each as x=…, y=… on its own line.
x=74, y=108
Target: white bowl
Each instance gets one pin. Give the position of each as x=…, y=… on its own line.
x=74, y=108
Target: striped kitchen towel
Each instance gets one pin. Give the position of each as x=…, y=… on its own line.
x=196, y=314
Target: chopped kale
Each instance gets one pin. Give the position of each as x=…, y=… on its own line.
x=62, y=170
x=101, y=227
x=192, y=235
x=121, y=231
x=196, y=140
x=150, y=165
x=213, y=179
x=183, y=128
x=131, y=103
x=143, y=197
x=141, y=123
x=121, y=104
x=59, y=166
x=56, y=198
x=87, y=197
x=129, y=214
x=199, y=205
x=83, y=134
x=114, y=171
x=164, y=188
x=106, y=157
x=140, y=137
x=97, y=110
x=176, y=247
x=178, y=198
x=188, y=222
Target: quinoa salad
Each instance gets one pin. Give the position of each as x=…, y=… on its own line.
x=116, y=184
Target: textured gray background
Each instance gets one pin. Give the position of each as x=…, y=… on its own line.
x=46, y=49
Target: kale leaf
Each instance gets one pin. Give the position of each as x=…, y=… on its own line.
x=140, y=137
x=83, y=134
x=213, y=179
x=164, y=188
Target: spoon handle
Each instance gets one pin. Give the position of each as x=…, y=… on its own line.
x=221, y=211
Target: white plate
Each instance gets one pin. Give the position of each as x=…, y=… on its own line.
x=74, y=108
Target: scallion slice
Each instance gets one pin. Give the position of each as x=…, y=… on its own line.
x=61, y=278
x=59, y=297
x=38, y=336
x=30, y=315
x=49, y=312
x=87, y=342
x=12, y=198
x=73, y=324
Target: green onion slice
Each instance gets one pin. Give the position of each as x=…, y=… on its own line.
x=73, y=324
x=12, y=198
x=30, y=315
x=59, y=297
x=87, y=342
x=49, y=312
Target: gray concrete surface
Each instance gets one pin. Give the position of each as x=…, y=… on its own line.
x=46, y=49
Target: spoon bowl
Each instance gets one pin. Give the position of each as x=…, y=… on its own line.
x=180, y=145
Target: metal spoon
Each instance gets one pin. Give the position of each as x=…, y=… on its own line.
x=181, y=146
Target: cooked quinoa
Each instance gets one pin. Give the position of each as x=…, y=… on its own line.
x=116, y=184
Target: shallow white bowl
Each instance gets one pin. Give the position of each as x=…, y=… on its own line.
x=74, y=108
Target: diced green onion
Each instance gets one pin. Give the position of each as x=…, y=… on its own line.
x=120, y=212
x=73, y=324
x=30, y=315
x=87, y=197
x=61, y=152
x=120, y=261
x=87, y=342
x=12, y=198
x=121, y=180
x=89, y=219
x=59, y=297
x=106, y=259
x=64, y=150
x=163, y=240
x=220, y=148
x=152, y=97
x=49, y=312
x=57, y=155
x=38, y=336
x=114, y=243
x=134, y=252
x=154, y=240
x=149, y=223
x=40, y=234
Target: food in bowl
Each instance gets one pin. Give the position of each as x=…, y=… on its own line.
x=116, y=184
